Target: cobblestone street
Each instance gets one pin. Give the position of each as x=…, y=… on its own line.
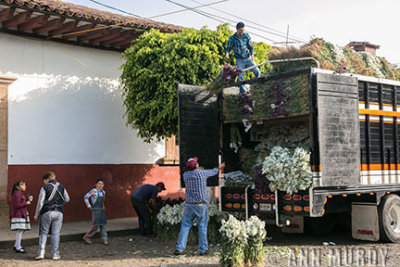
x=282, y=250
x=141, y=251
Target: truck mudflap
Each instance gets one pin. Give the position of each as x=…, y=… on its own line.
x=365, y=221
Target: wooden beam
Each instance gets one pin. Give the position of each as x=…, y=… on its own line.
x=125, y=43
x=59, y=40
x=67, y=27
x=111, y=35
x=6, y=14
x=33, y=23
x=17, y=19
x=50, y=25
x=129, y=35
x=81, y=28
x=92, y=35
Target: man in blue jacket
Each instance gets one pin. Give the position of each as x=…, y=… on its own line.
x=243, y=51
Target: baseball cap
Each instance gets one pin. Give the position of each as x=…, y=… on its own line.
x=161, y=185
x=191, y=163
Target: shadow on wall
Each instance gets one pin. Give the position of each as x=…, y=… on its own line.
x=72, y=120
x=120, y=181
x=75, y=127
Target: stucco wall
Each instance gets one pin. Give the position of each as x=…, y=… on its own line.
x=66, y=106
x=66, y=115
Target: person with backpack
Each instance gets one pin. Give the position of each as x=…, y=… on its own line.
x=49, y=212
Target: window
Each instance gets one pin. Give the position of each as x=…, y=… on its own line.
x=171, y=151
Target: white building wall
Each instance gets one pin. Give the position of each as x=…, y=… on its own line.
x=66, y=106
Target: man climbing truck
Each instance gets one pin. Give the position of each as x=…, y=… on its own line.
x=345, y=125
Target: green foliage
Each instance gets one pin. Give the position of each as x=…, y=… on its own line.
x=158, y=62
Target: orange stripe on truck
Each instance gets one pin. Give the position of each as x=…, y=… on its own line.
x=379, y=112
x=379, y=167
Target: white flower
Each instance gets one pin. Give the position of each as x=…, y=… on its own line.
x=288, y=171
x=233, y=230
x=172, y=215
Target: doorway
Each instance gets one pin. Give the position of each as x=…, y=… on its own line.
x=4, y=208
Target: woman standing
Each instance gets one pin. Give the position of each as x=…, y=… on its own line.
x=19, y=214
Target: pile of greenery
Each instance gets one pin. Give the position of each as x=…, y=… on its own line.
x=336, y=58
x=271, y=99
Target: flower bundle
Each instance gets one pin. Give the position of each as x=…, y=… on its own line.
x=288, y=171
x=168, y=220
x=242, y=241
x=225, y=78
x=234, y=241
x=170, y=215
x=256, y=233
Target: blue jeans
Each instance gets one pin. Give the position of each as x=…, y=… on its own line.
x=243, y=64
x=190, y=212
x=93, y=231
x=53, y=219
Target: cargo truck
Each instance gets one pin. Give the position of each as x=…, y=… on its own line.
x=353, y=136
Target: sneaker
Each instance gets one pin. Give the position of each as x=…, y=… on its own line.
x=56, y=257
x=205, y=253
x=105, y=242
x=179, y=253
x=40, y=256
x=21, y=250
x=87, y=240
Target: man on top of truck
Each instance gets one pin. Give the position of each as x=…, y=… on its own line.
x=243, y=51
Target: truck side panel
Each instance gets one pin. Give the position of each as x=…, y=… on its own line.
x=379, y=133
x=338, y=130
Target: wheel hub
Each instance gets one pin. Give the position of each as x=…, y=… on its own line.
x=394, y=219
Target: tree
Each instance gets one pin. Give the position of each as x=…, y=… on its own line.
x=158, y=62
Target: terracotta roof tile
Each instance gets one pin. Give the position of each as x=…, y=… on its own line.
x=89, y=14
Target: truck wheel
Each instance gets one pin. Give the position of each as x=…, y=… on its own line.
x=389, y=218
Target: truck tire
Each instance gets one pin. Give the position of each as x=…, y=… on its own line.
x=389, y=218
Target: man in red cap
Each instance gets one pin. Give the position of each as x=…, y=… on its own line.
x=146, y=194
x=195, y=204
